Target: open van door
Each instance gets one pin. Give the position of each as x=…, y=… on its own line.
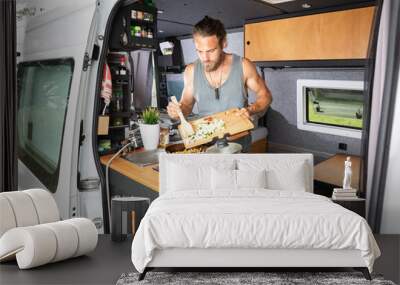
x=51, y=91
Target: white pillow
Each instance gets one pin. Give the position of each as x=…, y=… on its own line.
x=187, y=176
x=223, y=179
x=251, y=178
x=293, y=179
x=282, y=174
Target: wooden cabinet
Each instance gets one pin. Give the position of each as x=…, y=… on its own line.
x=326, y=36
x=357, y=205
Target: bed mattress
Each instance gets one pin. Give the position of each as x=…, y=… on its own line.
x=250, y=219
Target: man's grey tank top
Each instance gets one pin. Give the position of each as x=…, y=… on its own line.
x=232, y=93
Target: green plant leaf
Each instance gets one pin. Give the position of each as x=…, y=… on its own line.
x=151, y=116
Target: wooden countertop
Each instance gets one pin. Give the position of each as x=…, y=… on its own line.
x=331, y=171
x=146, y=175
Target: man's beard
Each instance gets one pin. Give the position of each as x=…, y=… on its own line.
x=212, y=66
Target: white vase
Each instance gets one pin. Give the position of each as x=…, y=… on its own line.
x=150, y=135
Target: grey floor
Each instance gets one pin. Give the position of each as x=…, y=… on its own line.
x=102, y=266
x=110, y=260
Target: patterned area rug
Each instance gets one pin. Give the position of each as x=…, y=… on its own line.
x=243, y=278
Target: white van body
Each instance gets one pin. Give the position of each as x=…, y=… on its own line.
x=69, y=30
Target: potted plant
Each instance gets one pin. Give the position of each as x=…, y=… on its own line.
x=150, y=128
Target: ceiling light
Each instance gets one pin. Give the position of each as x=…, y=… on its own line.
x=306, y=5
x=160, y=11
x=276, y=1
x=160, y=31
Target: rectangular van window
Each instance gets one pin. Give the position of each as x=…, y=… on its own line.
x=332, y=107
x=335, y=107
x=43, y=93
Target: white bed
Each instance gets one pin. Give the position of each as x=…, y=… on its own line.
x=202, y=220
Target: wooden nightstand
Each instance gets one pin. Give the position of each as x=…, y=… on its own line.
x=357, y=205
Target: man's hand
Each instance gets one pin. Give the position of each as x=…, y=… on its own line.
x=172, y=110
x=244, y=112
x=187, y=99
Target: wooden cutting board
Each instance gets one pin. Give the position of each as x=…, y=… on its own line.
x=234, y=124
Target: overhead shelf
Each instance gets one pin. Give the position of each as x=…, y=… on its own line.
x=123, y=32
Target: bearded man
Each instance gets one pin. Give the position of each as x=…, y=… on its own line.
x=219, y=81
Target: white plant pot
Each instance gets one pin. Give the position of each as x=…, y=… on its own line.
x=150, y=135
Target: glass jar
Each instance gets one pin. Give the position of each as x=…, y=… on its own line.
x=134, y=14
x=149, y=33
x=140, y=15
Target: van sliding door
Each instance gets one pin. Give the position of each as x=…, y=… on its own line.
x=51, y=95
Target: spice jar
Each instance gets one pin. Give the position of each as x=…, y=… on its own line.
x=138, y=31
x=149, y=33
x=144, y=33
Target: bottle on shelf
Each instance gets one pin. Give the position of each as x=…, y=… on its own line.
x=144, y=32
x=122, y=67
x=118, y=99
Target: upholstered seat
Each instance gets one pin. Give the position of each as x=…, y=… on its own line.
x=31, y=230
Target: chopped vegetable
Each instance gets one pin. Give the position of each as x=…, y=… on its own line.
x=207, y=128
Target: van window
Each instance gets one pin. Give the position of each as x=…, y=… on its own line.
x=43, y=92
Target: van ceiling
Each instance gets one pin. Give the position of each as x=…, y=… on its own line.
x=179, y=16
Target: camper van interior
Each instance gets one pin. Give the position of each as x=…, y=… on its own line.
x=200, y=142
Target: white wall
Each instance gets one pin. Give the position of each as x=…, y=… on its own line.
x=390, y=223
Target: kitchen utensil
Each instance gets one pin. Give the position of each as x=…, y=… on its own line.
x=186, y=126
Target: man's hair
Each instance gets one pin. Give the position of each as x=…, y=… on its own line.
x=210, y=27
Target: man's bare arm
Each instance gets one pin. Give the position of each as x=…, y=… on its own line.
x=255, y=83
x=187, y=100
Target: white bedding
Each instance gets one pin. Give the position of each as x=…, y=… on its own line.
x=251, y=218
